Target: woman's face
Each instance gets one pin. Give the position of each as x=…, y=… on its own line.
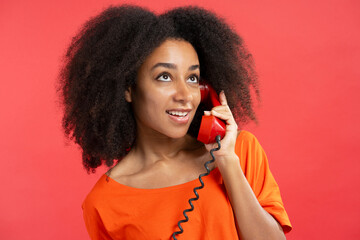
x=167, y=92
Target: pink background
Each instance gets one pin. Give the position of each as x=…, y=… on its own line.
x=307, y=55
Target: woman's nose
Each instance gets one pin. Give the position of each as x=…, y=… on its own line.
x=182, y=92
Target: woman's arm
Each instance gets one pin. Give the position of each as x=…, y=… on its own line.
x=253, y=222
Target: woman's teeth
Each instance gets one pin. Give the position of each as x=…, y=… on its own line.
x=179, y=114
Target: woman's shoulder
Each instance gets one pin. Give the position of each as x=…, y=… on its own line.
x=246, y=141
x=245, y=136
x=98, y=190
x=249, y=150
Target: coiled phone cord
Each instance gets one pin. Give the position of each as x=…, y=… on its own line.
x=197, y=188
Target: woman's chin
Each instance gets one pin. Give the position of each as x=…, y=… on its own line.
x=176, y=134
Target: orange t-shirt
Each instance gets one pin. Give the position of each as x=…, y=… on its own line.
x=116, y=211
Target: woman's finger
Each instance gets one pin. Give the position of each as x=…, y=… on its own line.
x=207, y=113
x=222, y=98
x=222, y=108
x=226, y=116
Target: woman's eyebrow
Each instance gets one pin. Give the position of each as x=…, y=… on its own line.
x=166, y=65
x=194, y=67
x=173, y=66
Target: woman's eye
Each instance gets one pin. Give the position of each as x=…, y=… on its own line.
x=164, y=77
x=193, y=79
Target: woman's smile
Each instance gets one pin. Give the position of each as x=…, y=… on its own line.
x=180, y=116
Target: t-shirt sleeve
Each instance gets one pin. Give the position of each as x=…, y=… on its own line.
x=255, y=166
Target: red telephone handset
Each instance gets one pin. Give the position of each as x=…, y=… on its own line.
x=210, y=126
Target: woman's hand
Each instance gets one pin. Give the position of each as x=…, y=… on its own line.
x=225, y=158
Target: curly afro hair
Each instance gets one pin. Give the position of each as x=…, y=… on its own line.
x=103, y=59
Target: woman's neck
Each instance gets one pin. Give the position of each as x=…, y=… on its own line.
x=160, y=153
x=152, y=148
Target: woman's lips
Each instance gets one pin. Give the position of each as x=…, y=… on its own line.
x=180, y=116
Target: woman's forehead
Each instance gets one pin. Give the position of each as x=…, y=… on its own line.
x=175, y=52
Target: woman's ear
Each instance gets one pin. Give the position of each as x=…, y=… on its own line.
x=128, y=95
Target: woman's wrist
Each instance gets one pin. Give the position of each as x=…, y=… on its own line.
x=227, y=164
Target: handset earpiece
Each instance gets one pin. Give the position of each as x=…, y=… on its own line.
x=210, y=126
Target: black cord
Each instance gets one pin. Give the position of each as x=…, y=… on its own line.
x=197, y=188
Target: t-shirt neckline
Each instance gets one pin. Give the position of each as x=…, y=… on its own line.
x=128, y=189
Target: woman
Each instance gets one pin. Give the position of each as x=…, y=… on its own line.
x=130, y=86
